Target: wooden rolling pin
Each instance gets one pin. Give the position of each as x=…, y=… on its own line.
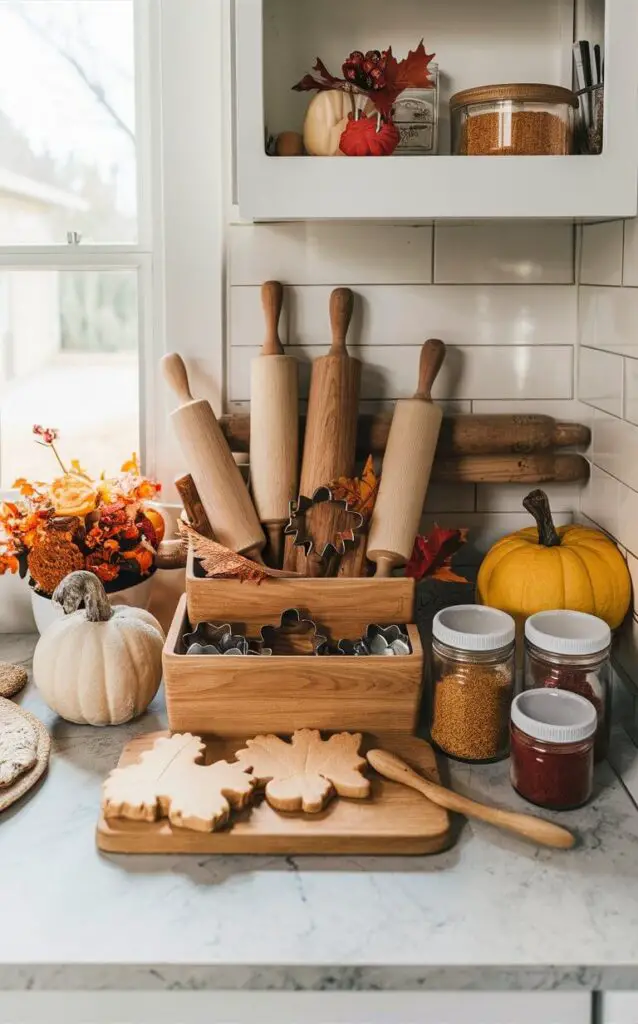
x=219, y=483
x=274, y=427
x=407, y=465
x=330, y=441
x=511, y=469
x=539, y=831
x=460, y=435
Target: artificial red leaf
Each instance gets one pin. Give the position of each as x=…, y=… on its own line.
x=432, y=555
x=324, y=80
x=411, y=73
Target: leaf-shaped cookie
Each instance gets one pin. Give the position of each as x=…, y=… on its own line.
x=305, y=773
x=170, y=782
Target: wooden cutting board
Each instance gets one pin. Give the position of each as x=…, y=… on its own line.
x=395, y=820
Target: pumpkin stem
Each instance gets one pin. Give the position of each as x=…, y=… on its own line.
x=83, y=590
x=537, y=504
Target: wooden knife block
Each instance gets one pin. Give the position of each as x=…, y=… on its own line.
x=243, y=695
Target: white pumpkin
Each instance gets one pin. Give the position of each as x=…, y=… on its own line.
x=327, y=119
x=100, y=664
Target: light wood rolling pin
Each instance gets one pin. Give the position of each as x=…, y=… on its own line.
x=466, y=434
x=512, y=469
x=219, y=483
x=274, y=427
x=330, y=441
x=407, y=465
x=537, y=829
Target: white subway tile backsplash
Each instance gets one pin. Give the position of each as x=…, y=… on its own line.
x=630, y=266
x=509, y=497
x=608, y=318
x=615, y=447
x=631, y=390
x=601, y=258
x=601, y=380
x=335, y=254
x=409, y=314
x=613, y=506
x=483, y=371
x=517, y=253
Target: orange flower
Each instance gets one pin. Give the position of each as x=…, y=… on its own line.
x=142, y=556
x=73, y=496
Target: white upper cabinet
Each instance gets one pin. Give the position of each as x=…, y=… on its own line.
x=477, y=42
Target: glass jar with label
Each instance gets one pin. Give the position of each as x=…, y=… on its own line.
x=552, y=748
x=568, y=650
x=472, y=682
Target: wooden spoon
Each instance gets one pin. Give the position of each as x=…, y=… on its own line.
x=526, y=825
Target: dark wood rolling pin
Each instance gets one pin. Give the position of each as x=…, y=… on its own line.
x=330, y=440
x=460, y=435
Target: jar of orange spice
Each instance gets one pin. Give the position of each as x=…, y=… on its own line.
x=513, y=120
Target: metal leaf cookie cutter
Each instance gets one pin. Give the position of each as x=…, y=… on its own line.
x=299, y=528
x=288, y=637
x=210, y=640
x=377, y=640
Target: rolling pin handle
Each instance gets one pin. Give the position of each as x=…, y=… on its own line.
x=341, y=309
x=176, y=376
x=385, y=566
x=272, y=298
x=431, y=361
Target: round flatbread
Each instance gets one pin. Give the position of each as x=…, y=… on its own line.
x=18, y=744
x=13, y=678
x=11, y=794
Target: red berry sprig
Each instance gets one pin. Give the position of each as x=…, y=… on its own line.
x=366, y=71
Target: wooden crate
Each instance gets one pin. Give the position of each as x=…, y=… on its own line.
x=240, y=696
x=340, y=607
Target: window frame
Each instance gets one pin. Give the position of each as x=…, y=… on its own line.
x=178, y=255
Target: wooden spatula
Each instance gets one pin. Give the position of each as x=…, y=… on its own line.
x=526, y=825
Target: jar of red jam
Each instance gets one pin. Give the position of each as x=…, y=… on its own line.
x=569, y=650
x=552, y=748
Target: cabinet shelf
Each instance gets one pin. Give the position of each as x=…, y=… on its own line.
x=441, y=187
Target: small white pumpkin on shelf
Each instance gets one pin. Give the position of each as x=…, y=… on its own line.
x=327, y=119
x=100, y=664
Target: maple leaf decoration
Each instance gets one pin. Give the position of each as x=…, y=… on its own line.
x=307, y=772
x=359, y=492
x=169, y=781
x=432, y=555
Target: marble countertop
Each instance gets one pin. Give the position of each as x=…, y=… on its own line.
x=492, y=913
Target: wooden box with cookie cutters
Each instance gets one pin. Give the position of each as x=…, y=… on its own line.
x=281, y=693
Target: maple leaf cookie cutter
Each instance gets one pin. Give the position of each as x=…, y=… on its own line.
x=297, y=525
x=292, y=624
x=209, y=640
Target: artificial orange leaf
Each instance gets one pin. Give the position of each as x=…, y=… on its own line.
x=131, y=465
x=220, y=563
x=432, y=555
x=360, y=492
x=411, y=73
x=26, y=489
x=78, y=470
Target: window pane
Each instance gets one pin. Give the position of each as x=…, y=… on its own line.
x=68, y=346
x=67, y=121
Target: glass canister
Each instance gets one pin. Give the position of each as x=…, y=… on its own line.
x=569, y=650
x=513, y=120
x=552, y=748
x=416, y=115
x=472, y=682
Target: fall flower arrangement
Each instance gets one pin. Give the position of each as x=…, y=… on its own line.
x=78, y=522
x=379, y=77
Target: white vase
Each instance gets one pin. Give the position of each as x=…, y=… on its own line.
x=45, y=611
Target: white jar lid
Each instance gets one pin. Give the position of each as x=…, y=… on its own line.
x=556, y=716
x=474, y=627
x=567, y=632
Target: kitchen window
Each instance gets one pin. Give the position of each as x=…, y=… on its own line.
x=110, y=182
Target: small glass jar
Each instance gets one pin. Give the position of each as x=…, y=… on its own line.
x=416, y=115
x=569, y=650
x=513, y=120
x=472, y=682
x=552, y=748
